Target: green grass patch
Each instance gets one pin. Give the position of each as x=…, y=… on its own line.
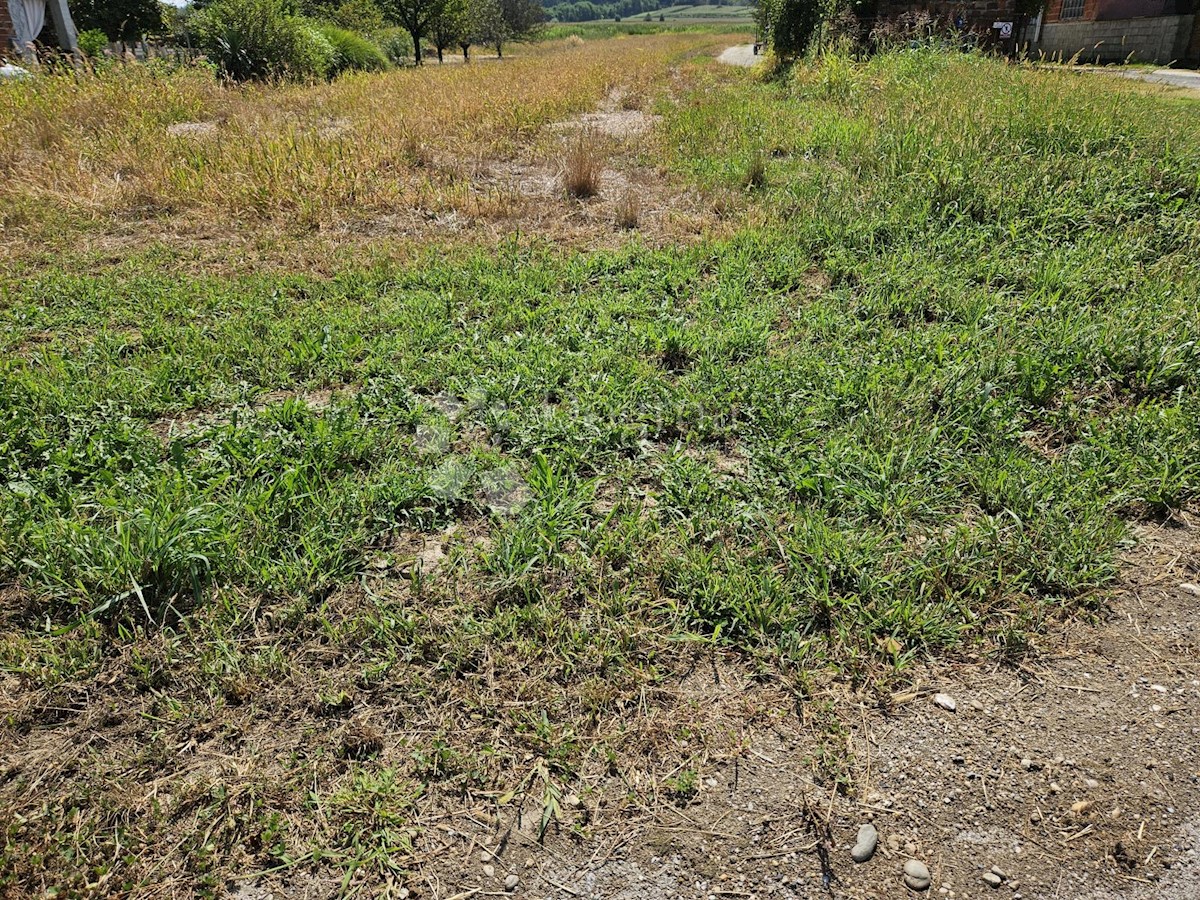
x=912, y=409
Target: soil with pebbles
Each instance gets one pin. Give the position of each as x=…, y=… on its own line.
x=1069, y=773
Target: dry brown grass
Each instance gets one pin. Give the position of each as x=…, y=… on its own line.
x=628, y=209
x=74, y=150
x=583, y=164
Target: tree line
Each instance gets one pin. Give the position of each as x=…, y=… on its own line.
x=238, y=28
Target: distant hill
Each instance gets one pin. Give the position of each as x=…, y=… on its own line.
x=634, y=10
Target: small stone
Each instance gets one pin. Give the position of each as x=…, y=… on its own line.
x=1035, y=816
x=991, y=879
x=864, y=849
x=490, y=871
x=916, y=875
x=1159, y=688
x=511, y=882
x=1029, y=765
x=945, y=701
x=1054, y=787
x=573, y=801
x=192, y=129
x=1188, y=587
x=1000, y=873
x=485, y=856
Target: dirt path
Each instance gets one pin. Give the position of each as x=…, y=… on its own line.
x=1071, y=770
x=740, y=55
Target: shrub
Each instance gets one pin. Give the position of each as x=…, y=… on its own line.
x=313, y=54
x=352, y=51
x=396, y=45
x=792, y=24
x=254, y=39
x=93, y=42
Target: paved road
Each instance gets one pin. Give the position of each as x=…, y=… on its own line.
x=1183, y=78
x=740, y=55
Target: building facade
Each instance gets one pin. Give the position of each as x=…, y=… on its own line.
x=1108, y=31
x=1093, y=31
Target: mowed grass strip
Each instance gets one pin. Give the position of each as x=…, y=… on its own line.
x=913, y=415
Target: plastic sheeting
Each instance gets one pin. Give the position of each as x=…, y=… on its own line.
x=28, y=18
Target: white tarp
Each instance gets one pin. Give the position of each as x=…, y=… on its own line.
x=28, y=17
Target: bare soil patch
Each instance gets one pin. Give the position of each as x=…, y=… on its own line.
x=1071, y=770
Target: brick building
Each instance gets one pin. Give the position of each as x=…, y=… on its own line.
x=24, y=22
x=1104, y=31
x=7, y=35
x=1098, y=31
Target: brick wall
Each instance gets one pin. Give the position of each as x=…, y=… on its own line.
x=1157, y=39
x=1054, y=11
x=7, y=35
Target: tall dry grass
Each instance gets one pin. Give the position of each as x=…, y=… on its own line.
x=96, y=147
x=583, y=164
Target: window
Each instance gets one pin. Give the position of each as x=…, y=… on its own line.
x=1071, y=9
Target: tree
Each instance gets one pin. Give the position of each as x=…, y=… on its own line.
x=476, y=22
x=519, y=20
x=791, y=25
x=363, y=16
x=455, y=25
x=120, y=20
x=416, y=17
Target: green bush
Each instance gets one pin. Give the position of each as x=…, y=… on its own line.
x=93, y=42
x=314, y=53
x=257, y=39
x=791, y=25
x=396, y=45
x=352, y=51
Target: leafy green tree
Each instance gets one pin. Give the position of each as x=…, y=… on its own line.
x=451, y=24
x=519, y=20
x=417, y=17
x=470, y=22
x=363, y=16
x=120, y=20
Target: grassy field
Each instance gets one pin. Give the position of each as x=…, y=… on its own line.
x=706, y=13
x=403, y=526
